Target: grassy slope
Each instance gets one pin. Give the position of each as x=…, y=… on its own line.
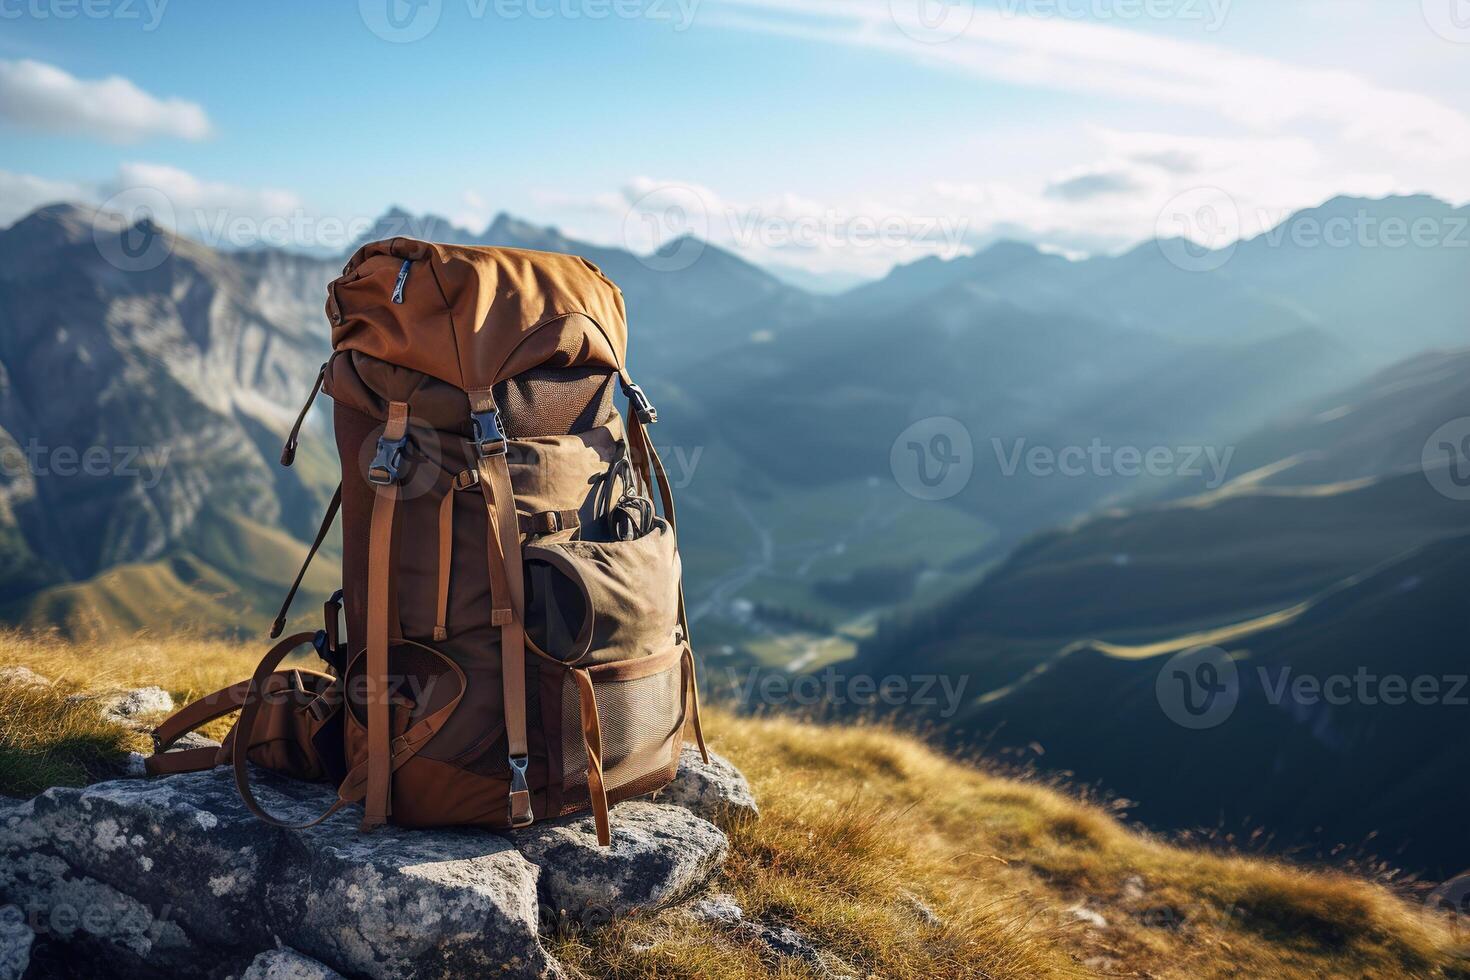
x=856, y=821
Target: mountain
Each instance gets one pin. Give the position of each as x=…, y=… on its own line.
x=1351, y=268
x=673, y=297
x=143, y=397
x=1333, y=553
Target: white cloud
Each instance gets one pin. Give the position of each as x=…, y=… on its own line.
x=44, y=97
x=20, y=194
x=1260, y=93
x=188, y=193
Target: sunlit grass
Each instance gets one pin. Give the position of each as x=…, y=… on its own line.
x=860, y=824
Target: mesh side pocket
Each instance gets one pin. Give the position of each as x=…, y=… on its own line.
x=640, y=708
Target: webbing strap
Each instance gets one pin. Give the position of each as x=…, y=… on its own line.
x=508, y=612
x=592, y=739
x=321, y=535
x=200, y=712
x=377, y=803
x=248, y=713
x=288, y=451
x=646, y=460
x=446, y=555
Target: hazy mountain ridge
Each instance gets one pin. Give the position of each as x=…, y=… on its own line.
x=180, y=380
x=1330, y=553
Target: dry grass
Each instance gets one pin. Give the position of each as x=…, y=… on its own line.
x=859, y=824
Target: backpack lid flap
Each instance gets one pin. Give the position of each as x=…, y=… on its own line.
x=473, y=316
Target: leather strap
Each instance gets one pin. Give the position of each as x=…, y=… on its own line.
x=183, y=760
x=377, y=803
x=691, y=690
x=649, y=466
x=592, y=739
x=321, y=535
x=407, y=745
x=549, y=521
x=248, y=714
x=288, y=451
x=446, y=555
x=508, y=595
x=200, y=712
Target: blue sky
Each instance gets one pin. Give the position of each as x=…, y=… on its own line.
x=834, y=135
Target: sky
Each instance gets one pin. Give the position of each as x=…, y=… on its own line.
x=836, y=137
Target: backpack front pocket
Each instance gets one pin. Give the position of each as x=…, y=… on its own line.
x=599, y=602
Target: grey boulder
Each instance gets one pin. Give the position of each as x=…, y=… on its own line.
x=174, y=877
x=287, y=964
x=714, y=790
x=659, y=855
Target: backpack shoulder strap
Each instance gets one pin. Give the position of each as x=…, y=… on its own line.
x=250, y=710
x=507, y=589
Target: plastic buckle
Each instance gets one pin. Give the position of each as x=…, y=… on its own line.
x=489, y=436
x=640, y=404
x=387, y=462
x=518, y=784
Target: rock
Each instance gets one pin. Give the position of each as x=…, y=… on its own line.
x=173, y=877
x=287, y=964
x=659, y=854
x=921, y=910
x=16, y=938
x=131, y=706
x=1134, y=888
x=783, y=941
x=720, y=909
x=22, y=677
x=715, y=790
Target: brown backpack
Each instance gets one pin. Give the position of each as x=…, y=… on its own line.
x=516, y=646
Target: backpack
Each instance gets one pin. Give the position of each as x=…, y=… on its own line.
x=516, y=646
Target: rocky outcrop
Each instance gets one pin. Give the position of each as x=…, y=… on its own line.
x=287, y=964
x=714, y=790
x=16, y=937
x=173, y=877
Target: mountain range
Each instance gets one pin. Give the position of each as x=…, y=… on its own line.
x=141, y=414
x=1335, y=553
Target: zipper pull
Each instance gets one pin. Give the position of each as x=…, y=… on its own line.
x=402, y=278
